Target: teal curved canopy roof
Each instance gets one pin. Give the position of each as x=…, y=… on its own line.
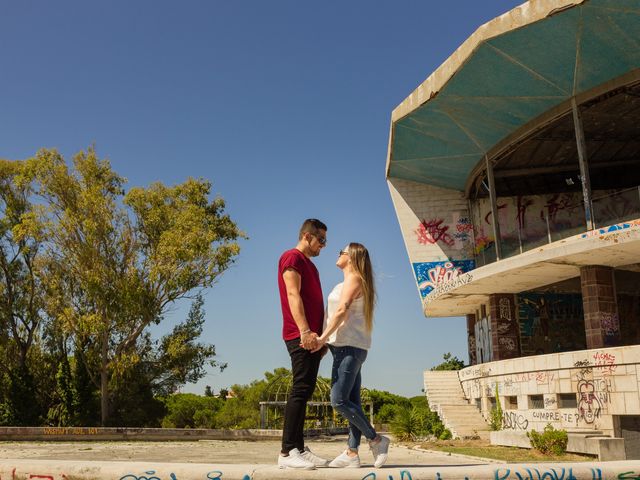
x=507, y=81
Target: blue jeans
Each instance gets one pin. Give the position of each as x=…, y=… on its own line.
x=345, y=392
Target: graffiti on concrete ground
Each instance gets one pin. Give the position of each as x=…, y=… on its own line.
x=151, y=475
x=404, y=475
x=549, y=473
x=631, y=475
x=62, y=476
x=431, y=275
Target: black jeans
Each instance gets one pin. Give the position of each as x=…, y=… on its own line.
x=304, y=369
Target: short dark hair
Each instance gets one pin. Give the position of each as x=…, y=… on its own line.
x=311, y=225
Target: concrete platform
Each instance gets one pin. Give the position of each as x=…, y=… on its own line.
x=84, y=470
x=246, y=460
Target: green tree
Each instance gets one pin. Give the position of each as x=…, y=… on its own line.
x=386, y=404
x=450, y=363
x=180, y=358
x=187, y=410
x=127, y=258
x=21, y=296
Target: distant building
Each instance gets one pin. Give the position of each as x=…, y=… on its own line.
x=514, y=170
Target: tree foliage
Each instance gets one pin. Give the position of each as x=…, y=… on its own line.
x=85, y=269
x=450, y=363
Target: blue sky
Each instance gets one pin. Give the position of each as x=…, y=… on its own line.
x=284, y=105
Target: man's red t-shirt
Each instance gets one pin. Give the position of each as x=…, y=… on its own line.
x=310, y=292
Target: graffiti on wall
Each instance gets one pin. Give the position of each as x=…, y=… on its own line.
x=605, y=362
x=514, y=421
x=610, y=327
x=472, y=348
x=463, y=229
x=453, y=236
x=527, y=219
x=483, y=340
x=431, y=275
x=589, y=406
x=594, y=392
x=507, y=326
x=432, y=231
x=550, y=322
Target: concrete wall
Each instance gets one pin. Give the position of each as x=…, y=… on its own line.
x=603, y=383
x=437, y=231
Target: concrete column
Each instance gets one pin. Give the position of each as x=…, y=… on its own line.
x=601, y=322
x=471, y=338
x=504, y=326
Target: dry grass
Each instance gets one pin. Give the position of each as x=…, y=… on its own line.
x=482, y=448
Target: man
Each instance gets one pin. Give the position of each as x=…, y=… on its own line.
x=303, y=316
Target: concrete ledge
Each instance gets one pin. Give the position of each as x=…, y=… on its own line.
x=101, y=434
x=510, y=438
x=605, y=448
x=74, y=470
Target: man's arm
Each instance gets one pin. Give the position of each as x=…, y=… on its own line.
x=293, y=282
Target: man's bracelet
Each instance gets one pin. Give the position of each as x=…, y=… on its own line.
x=305, y=331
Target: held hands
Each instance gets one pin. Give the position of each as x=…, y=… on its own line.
x=311, y=341
x=320, y=344
x=308, y=340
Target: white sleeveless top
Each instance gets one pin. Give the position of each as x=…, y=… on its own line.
x=354, y=332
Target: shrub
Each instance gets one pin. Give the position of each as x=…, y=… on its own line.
x=187, y=410
x=387, y=412
x=445, y=435
x=550, y=440
x=408, y=424
x=495, y=416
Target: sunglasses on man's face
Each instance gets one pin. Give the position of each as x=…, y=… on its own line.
x=321, y=240
x=343, y=252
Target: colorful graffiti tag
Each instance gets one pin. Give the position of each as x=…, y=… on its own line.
x=613, y=228
x=434, y=231
x=429, y=275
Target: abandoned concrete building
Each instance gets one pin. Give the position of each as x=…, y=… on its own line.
x=514, y=170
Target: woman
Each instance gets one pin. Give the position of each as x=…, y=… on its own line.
x=348, y=333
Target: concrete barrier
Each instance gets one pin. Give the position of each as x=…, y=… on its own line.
x=82, y=470
x=604, y=447
x=101, y=434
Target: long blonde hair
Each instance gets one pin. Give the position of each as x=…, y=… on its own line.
x=361, y=264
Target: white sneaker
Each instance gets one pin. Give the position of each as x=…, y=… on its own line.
x=295, y=460
x=380, y=451
x=345, y=461
x=313, y=458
